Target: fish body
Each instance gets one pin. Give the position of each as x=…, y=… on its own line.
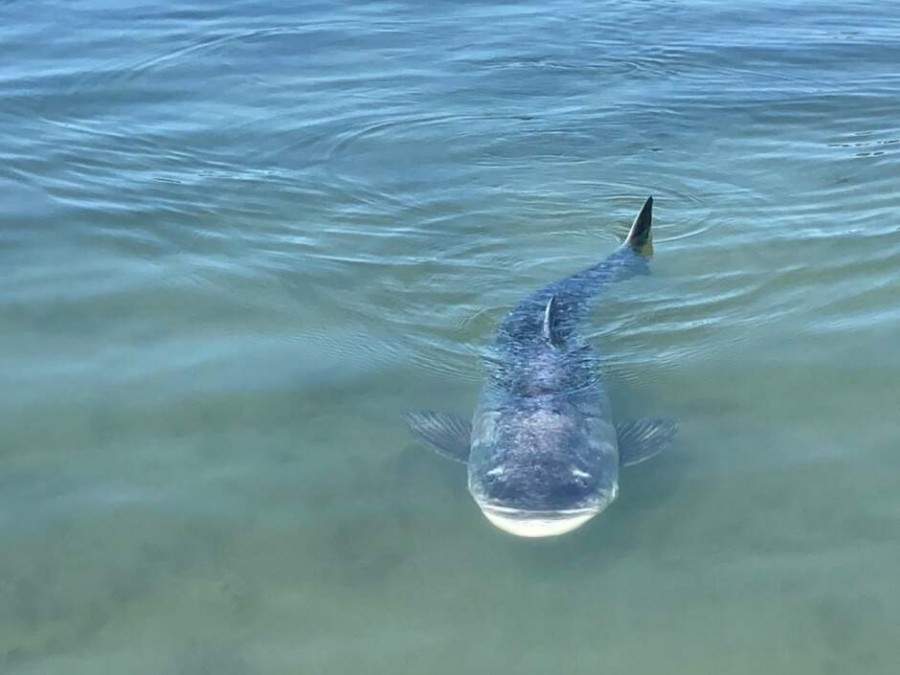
x=542, y=449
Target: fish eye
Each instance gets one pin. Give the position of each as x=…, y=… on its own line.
x=580, y=478
x=496, y=475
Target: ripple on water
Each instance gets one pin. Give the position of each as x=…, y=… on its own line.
x=448, y=332
x=400, y=229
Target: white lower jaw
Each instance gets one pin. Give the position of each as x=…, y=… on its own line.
x=537, y=523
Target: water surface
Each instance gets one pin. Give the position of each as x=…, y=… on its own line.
x=240, y=239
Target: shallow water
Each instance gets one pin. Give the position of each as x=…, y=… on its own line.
x=241, y=239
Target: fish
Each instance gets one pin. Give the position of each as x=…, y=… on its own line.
x=542, y=448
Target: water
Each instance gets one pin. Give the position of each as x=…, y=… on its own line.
x=240, y=239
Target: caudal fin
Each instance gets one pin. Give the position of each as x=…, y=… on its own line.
x=639, y=237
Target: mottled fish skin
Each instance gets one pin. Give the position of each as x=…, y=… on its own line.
x=543, y=453
x=543, y=438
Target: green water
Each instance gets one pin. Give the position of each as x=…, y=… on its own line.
x=240, y=240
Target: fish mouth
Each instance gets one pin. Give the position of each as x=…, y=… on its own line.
x=535, y=524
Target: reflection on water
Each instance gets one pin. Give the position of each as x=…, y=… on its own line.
x=240, y=241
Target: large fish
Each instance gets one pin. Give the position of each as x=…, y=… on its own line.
x=542, y=449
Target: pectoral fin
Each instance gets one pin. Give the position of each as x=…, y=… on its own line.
x=449, y=435
x=642, y=439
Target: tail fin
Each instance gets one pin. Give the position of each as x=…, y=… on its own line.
x=639, y=237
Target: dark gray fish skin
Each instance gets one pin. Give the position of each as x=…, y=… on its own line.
x=543, y=439
x=542, y=451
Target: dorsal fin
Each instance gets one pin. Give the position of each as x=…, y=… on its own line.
x=551, y=329
x=639, y=236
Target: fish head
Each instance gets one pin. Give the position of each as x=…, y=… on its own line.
x=541, y=474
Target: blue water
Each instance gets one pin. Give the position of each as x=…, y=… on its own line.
x=239, y=240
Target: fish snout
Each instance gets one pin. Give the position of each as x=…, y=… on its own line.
x=535, y=524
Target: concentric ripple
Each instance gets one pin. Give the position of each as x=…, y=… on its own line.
x=413, y=200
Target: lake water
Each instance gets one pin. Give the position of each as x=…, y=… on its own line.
x=239, y=240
